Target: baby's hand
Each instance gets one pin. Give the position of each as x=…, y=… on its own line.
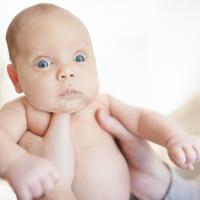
x=31, y=177
x=184, y=151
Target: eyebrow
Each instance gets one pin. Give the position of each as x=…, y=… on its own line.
x=34, y=51
x=80, y=44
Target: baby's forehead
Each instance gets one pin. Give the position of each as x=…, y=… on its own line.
x=36, y=18
x=56, y=31
x=53, y=22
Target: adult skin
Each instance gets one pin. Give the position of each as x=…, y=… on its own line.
x=146, y=170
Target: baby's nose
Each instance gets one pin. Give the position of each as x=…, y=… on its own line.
x=67, y=74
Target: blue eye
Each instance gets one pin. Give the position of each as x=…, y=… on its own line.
x=79, y=58
x=43, y=64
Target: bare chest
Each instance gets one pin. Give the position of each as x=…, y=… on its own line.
x=100, y=167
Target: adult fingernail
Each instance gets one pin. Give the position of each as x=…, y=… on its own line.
x=103, y=115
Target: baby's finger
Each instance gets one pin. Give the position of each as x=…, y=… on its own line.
x=24, y=195
x=190, y=154
x=197, y=150
x=177, y=155
x=55, y=175
x=36, y=190
x=189, y=167
x=47, y=184
x=113, y=126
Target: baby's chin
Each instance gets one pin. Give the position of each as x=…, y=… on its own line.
x=68, y=109
x=68, y=106
x=64, y=105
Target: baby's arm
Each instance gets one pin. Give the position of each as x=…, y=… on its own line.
x=182, y=149
x=12, y=126
x=25, y=172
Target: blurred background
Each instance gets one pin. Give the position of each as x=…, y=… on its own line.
x=147, y=51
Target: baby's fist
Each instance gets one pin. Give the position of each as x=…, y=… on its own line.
x=184, y=150
x=31, y=177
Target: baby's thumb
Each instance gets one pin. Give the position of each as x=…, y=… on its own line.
x=113, y=126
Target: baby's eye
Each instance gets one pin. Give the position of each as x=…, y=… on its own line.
x=79, y=58
x=43, y=63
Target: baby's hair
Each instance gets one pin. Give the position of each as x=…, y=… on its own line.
x=22, y=18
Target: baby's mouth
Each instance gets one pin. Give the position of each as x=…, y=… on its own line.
x=70, y=92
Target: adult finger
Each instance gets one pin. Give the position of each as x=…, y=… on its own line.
x=58, y=146
x=114, y=126
x=58, y=128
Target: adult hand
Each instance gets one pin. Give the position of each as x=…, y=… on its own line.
x=55, y=146
x=150, y=178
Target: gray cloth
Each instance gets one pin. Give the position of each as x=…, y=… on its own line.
x=132, y=197
x=181, y=189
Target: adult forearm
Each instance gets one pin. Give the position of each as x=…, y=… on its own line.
x=156, y=179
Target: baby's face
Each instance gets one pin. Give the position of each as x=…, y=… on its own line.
x=56, y=65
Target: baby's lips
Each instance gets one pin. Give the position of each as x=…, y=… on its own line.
x=70, y=92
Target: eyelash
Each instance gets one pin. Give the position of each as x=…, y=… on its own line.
x=38, y=61
x=83, y=57
x=49, y=62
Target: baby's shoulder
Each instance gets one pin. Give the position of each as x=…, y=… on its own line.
x=17, y=104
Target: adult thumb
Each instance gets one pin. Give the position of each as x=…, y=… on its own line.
x=113, y=126
x=58, y=127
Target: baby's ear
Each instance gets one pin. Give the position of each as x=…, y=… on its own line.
x=12, y=73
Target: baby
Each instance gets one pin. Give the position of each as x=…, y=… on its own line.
x=54, y=65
